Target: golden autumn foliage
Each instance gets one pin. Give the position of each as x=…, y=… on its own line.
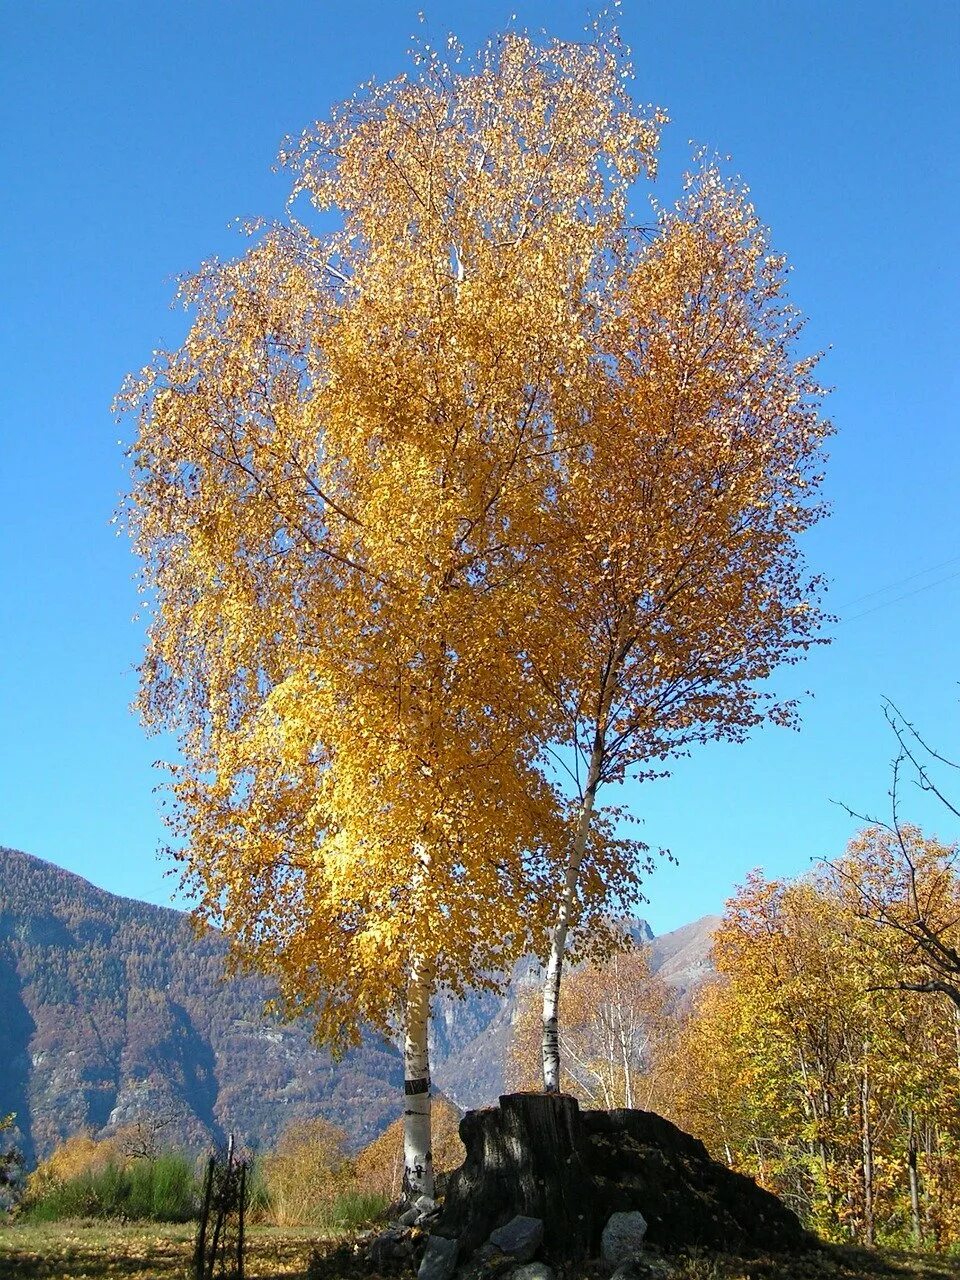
x=684, y=586
x=807, y=1066
x=82, y=1154
x=341, y=487
x=903, y=888
x=306, y=1171
x=309, y=1174
x=341, y=479
x=616, y=1016
x=79, y=1154
x=453, y=468
x=677, y=585
x=378, y=1168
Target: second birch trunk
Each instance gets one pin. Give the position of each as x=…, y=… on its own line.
x=558, y=941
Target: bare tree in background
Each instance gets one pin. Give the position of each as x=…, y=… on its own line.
x=901, y=880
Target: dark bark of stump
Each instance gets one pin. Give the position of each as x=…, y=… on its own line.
x=526, y=1156
x=539, y=1155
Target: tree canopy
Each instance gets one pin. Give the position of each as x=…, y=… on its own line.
x=479, y=469
x=342, y=478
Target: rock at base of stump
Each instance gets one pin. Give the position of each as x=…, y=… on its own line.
x=539, y=1156
x=622, y=1236
x=520, y=1238
x=439, y=1260
x=534, y=1271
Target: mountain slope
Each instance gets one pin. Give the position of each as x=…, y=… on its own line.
x=113, y=1010
x=682, y=957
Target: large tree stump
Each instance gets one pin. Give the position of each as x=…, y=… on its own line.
x=526, y=1156
x=539, y=1155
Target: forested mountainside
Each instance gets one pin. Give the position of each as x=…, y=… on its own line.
x=113, y=1010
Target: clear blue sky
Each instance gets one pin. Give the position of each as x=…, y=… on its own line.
x=135, y=133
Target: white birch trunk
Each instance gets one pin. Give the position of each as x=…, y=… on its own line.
x=558, y=942
x=417, y=1152
x=627, y=1070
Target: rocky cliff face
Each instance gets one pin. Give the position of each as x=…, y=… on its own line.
x=112, y=1010
x=682, y=958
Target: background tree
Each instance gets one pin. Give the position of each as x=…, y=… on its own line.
x=676, y=585
x=902, y=882
x=617, y=1016
x=342, y=480
x=805, y=1066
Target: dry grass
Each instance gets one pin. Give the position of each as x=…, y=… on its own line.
x=828, y=1263
x=89, y=1250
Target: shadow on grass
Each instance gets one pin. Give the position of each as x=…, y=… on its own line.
x=93, y=1261
x=119, y=1254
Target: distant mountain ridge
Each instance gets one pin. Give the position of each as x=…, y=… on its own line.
x=113, y=1009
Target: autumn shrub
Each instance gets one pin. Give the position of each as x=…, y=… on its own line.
x=300, y=1181
x=309, y=1180
x=78, y=1155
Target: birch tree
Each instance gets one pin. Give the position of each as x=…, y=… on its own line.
x=343, y=481
x=677, y=585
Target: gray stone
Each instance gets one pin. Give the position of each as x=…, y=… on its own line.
x=622, y=1236
x=521, y=1237
x=534, y=1271
x=393, y=1243
x=439, y=1260
x=425, y=1205
x=408, y=1218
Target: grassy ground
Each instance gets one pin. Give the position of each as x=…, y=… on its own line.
x=87, y=1250
x=98, y=1250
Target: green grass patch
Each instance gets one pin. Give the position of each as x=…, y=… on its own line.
x=352, y=1210
x=164, y=1189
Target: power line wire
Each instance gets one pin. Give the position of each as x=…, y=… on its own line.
x=900, y=582
x=906, y=595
